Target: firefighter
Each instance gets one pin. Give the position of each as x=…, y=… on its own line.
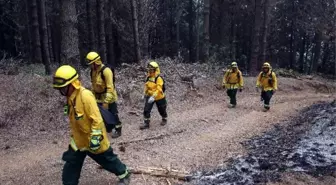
x=267, y=82
x=232, y=81
x=88, y=133
x=154, y=93
x=103, y=88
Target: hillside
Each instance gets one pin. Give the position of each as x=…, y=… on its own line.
x=202, y=132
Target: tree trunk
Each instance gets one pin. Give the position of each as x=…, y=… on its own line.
x=302, y=52
x=101, y=29
x=44, y=36
x=50, y=49
x=178, y=18
x=291, y=47
x=135, y=30
x=317, y=51
x=197, y=29
x=109, y=33
x=56, y=32
x=191, y=30
x=69, y=33
x=326, y=54
x=164, y=25
x=206, y=43
x=267, y=8
x=29, y=28
x=253, y=64
x=90, y=15
x=36, y=35
x=232, y=32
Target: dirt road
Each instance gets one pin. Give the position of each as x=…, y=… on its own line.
x=198, y=136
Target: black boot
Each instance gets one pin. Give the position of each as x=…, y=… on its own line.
x=164, y=121
x=116, y=132
x=145, y=125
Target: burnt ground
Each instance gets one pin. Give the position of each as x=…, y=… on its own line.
x=305, y=144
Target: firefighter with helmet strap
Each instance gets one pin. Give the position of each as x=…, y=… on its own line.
x=232, y=81
x=103, y=88
x=268, y=83
x=154, y=93
x=88, y=133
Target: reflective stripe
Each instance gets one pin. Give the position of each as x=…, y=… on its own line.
x=96, y=132
x=118, y=126
x=123, y=175
x=146, y=119
x=266, y=105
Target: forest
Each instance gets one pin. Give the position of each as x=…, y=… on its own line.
x=292, y=34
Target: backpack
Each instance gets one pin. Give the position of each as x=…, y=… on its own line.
x=102, y=74
x=163, y=86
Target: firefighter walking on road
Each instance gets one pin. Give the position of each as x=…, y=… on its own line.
x=267, y=82
x=154, y=93
x=103, y=87
x=88, y=133
x=232, y=82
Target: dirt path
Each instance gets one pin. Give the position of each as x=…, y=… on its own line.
x=205, y=136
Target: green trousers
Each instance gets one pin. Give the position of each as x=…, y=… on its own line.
x=232, y=93
x=74, y=162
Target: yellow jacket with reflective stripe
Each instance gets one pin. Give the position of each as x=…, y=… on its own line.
x=84, y=118
x=233, y=79
x=152, y=88
x=263, y=81
x=104, y=91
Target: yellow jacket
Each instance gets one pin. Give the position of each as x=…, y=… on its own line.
x=152, y=88
x=103, y=90
x=233, y=80
x=263, y=81
x=85, y=119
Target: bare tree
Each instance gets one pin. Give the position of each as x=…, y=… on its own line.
x=90, y=15
x=206, y=43
x=178, y=20
x=263, y=46
x=69, y=33
x=44, y=36
x=35, y=31
x=253, y=65
x=109, y=32
x=135, y=30
x=101, y=28
x=191, y=22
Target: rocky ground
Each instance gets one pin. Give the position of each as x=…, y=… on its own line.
x=201, y=135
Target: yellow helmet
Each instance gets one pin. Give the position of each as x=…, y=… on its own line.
x=234, y=64
x=92, y=57
x=266, y=65
x=64, y=75
x=153, y=64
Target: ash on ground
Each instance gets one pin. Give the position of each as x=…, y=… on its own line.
x=305, y=144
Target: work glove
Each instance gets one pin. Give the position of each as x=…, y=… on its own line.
x=95, y=142
x=151, y=99
x=105, y=106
